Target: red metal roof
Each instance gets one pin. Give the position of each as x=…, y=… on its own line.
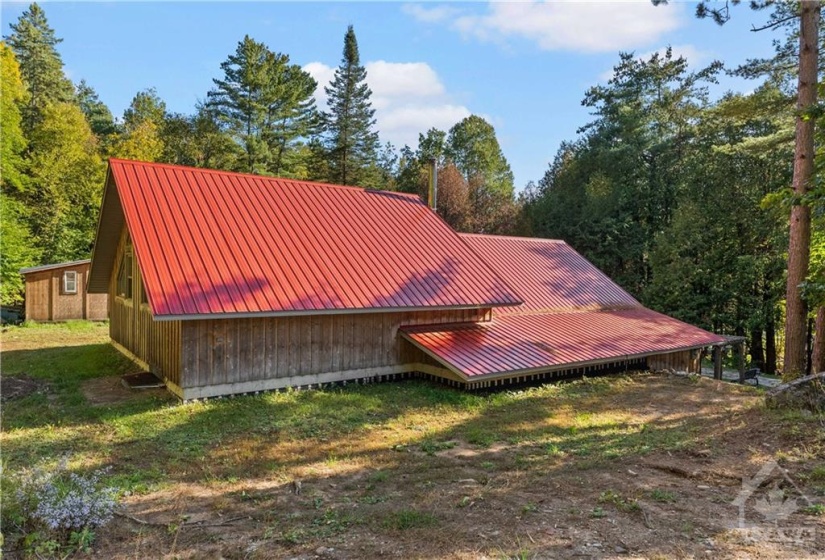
x=522, y=344
x=548, y=274
x=211, y=242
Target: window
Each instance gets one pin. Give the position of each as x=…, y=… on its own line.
x=70, y=282
x=124, y=275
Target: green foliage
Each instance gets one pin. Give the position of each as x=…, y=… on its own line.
x=67, y=175
x=140, y=139
x=35, y=46
x=50, y=508
x=266, y=105
x=97, y=113
x=12, y=141
x=351, y=142
x=16, y=250
x=473, y=147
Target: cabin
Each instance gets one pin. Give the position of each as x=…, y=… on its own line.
x=57, y=292
x=222, y=283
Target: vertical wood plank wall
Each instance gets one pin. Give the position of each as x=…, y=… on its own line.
x=158, y=343
x=233, y=351
x=687, y=360
x=45, y=300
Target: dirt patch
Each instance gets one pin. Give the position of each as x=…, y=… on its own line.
x=106, y=391
x=19, y=386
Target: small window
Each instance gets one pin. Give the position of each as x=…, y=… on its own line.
x=70, y=282
x=124, y=276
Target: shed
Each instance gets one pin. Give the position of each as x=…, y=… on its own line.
x=57, y=292
x=225, y=283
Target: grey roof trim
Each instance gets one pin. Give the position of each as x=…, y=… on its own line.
x=304, y=313
x=43, y=267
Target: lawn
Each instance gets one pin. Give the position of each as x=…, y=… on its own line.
x=640, y=465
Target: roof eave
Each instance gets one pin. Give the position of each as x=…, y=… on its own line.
x=312, y=312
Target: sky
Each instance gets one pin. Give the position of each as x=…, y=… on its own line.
x=523, y=66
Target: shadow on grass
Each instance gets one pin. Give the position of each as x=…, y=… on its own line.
x=367, y=452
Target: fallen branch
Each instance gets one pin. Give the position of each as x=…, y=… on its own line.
x=182, y=525
x=673, y=469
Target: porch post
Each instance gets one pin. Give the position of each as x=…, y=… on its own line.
x=717, y=362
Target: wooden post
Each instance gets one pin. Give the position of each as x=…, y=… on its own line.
x=740, y=351
x=717, y=362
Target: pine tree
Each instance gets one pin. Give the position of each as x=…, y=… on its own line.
x=266, y=104
x=140, y=139
x=97, y=113
x=34, y=43
x=351, y=142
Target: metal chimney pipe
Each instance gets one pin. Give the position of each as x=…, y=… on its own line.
x=433, y=183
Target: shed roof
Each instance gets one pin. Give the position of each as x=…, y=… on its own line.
x=54, y=266
x=549, y=275
x=217, y=243
x=573, y=315
x=531, y=344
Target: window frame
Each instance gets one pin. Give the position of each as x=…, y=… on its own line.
x=66, y=275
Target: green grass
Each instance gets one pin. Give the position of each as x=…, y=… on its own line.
x=662, y=496
x=409, y=519
x=152, y=442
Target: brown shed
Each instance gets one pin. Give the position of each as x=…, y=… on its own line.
x=57, y=292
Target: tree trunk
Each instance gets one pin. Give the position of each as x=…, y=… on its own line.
x=757, y=350
x=818, y=360
x=770, y=347
x=800, y=223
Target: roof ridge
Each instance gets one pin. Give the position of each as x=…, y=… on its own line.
x=255, y=176
x=515, y=237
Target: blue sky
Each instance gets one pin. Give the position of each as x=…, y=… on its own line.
x=523, y=66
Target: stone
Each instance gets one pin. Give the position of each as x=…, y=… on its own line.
x=807, y=393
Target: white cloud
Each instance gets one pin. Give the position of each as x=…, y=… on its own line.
x=437, y=14
x=408, y=98
x=569, y=26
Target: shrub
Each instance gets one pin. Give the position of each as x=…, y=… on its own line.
x=57, y=506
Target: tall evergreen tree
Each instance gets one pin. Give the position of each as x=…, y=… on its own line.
x=140, y=137
x=34, y=43
x=351, y=141
x=266, y=104
x=97, y=113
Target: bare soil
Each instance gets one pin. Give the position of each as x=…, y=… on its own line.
x=19, y=386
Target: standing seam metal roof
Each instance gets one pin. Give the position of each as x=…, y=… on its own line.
x=218, y=243
x=549, y=275
x=572, y=315
x=543, y=342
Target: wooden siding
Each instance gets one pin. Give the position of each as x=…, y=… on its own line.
x=131, y=325
x=46, y=301
x=686, y=360
x=259, y=352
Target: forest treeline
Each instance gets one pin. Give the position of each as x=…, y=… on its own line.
x=681, y=198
